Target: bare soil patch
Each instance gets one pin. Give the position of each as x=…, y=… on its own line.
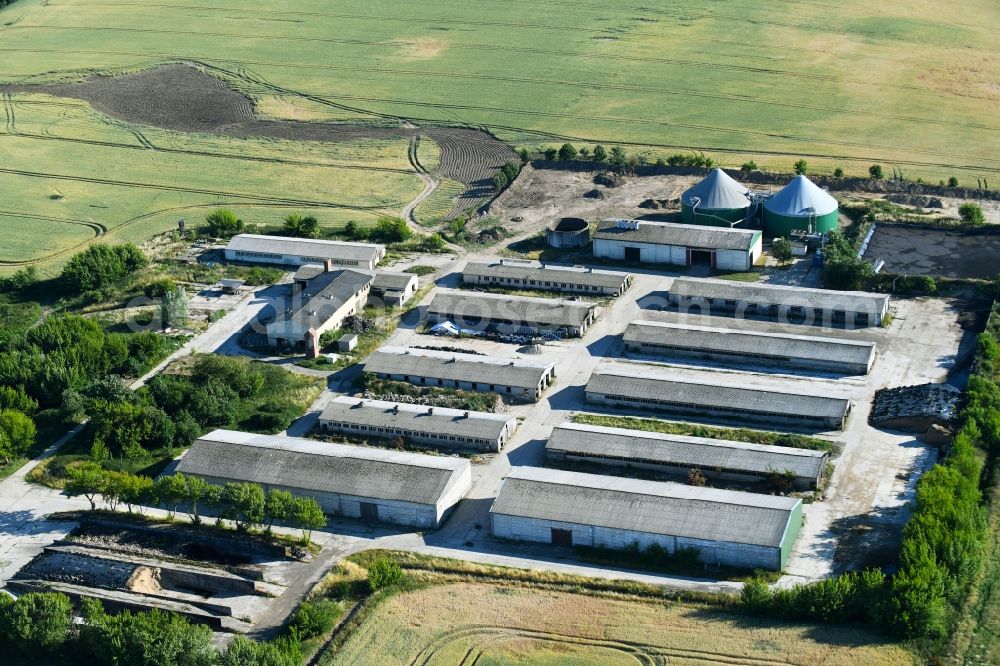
x=182, y=98
x=954, y=253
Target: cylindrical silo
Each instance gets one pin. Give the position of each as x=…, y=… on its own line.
x=716, y=201
x=800, y=205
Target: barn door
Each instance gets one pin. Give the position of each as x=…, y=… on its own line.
x=562, y=537
x=369, y=512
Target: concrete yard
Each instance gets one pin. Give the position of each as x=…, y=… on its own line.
x=942, y=252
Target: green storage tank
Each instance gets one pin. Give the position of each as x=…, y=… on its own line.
x=716, y=201
x=800, y=205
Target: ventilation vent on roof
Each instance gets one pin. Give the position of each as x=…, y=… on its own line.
x=465, y=415
x=627, y=224
x=430, y=410
x=395, y=409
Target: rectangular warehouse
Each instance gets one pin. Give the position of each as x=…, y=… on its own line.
x=678, y=244
x=850, y=357
x=352, y=481
x=520, y=380
x=299, y=251
x=518, y=315
x=784, y=302
x=727, y=528
x=710, y=400
x=533, y=275
x=434, y=426
x=679, y=454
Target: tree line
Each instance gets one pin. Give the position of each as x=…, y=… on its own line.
x=249, y=506
x=942, y=541
x=41, y=626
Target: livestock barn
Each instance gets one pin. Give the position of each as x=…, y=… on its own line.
x=718, y=402
x=352, y=481
x=520, y=380
x=727, y=528
x=677, y=244
x=533, y=275
x=519, y=315
x=850, y=357
x=435, y=426
x=785, y=302
x=621, y=449
x=716, y=201
x=300, y=251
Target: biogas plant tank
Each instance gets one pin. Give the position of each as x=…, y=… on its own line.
x=568, y=232
x=800, y=205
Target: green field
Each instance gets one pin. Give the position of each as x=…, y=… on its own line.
x=842, y=84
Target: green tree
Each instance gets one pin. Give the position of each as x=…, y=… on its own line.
x=952, y=182
x=223, y=223
x=174, y=308
x=16, y=399
x=309, y=227
x=37, y=623
x=391, y=230
x=151, y=638
x=511, y=170
x=500, y=181
x=87, y=479
x=524, y=155
x=550, y=153
x=838, y=172
x=781, y=249
x=875, y=171
x=567, y=152
x=170, y=491
x=132, y=489
x=600, y=154
x=240, y=374
x=970, y=213
x=315, y=618
x=618, y=157
x=246, y=504
x=382, y=573
x=101, y=266
x=19, y=431
x=749, y=166
x=277, y=506
x=307, y=515
x=242, y=651
x=800, y=167
x=354, y=231
x=196, y=490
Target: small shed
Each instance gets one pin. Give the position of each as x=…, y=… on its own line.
x=231, y=287
x=347, y=343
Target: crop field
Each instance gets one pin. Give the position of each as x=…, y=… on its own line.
x=853, y=82
x=70, y=175
x=271, y=106
x=470, y=623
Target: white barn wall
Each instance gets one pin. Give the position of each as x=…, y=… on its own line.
x=517, y=528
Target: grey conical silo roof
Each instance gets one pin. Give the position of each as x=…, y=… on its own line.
x=717, y=191
x=796, y=198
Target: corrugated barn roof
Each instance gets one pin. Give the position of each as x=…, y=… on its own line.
x=645, y=506
x=417, y=418
x=457, y=367
x=803, y=347
x=682, y=235
x=306, y=464
x=304, y=247
x=710, y=394
x=542, y=273
x=779, y=294
x=501, y=307
x=695, y=452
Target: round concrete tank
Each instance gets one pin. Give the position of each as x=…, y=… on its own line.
x=568, y=232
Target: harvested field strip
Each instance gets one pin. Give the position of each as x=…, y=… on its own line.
x=469, y=623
